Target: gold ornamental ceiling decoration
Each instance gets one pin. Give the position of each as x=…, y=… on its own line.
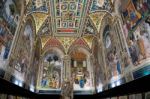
x=44, y=40
x=79, y=42
x=88, y=40
x=39, y=19
x=97, y=17
x=66, y=42
x=68, y=15
x=53, y=42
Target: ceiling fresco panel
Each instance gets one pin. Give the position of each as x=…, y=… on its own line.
x=66, y=42
x=53, y=42
x=89, y=40
x=80, y=42
x=89, y=28
x=98, y=5
x=39, y=19
x=45, y=29
x=44, y=40
x=67, y=15
x=97, y=18
x=37, y=6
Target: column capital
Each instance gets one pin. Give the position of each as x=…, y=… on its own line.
x=67, y=57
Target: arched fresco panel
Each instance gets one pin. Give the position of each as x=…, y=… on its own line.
x=112, y=56
x=20, y=58
x=33, y=75
x=9, y=19
x=51, y=70
x=81, y=69
x=99, y=71
x=136, y=31
x=139, y=44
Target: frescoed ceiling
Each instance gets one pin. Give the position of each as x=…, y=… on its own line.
x=89, y=40
x=67, y=19
x=97, y=17
x=37, y=6
x=67, y=15
x=45, y=29
x=98, y=5
x=66, y=42
x=39, y=19
x=44, y=40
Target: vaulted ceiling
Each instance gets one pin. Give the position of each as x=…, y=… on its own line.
x=59, y=23
x=67, y=17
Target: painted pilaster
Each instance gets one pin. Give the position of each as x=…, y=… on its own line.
x=67, y=67
x=90, y=68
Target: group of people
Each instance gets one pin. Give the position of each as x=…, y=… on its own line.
x=51, y=82
x=81, y=78
x=114, y=63
x=139, y=49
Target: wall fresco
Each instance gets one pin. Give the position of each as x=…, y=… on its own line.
x=9, y=18
x=51, y=75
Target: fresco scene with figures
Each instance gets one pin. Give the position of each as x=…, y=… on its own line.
x=74, y=47
x=51, y=75
x=9, y=19
x=136, y=30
